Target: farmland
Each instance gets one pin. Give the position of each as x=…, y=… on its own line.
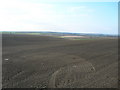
x=34, y=61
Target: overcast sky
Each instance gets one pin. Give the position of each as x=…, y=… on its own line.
x=75, y=16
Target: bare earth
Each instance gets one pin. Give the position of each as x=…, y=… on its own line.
x=33, y=61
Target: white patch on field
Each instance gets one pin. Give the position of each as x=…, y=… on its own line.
x=73, y=36
x=6, y=59
x=74, y=66
x=94, y=68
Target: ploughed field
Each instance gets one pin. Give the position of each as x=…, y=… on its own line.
x=33, y=61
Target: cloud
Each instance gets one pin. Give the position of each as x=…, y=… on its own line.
x=23, y=15
x=18, y=14
x=80, y=9
x=77, y=8
x=38, y=15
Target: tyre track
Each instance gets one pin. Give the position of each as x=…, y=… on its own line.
x=68, y=72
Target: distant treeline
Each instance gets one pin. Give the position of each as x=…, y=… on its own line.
x=62, y=34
